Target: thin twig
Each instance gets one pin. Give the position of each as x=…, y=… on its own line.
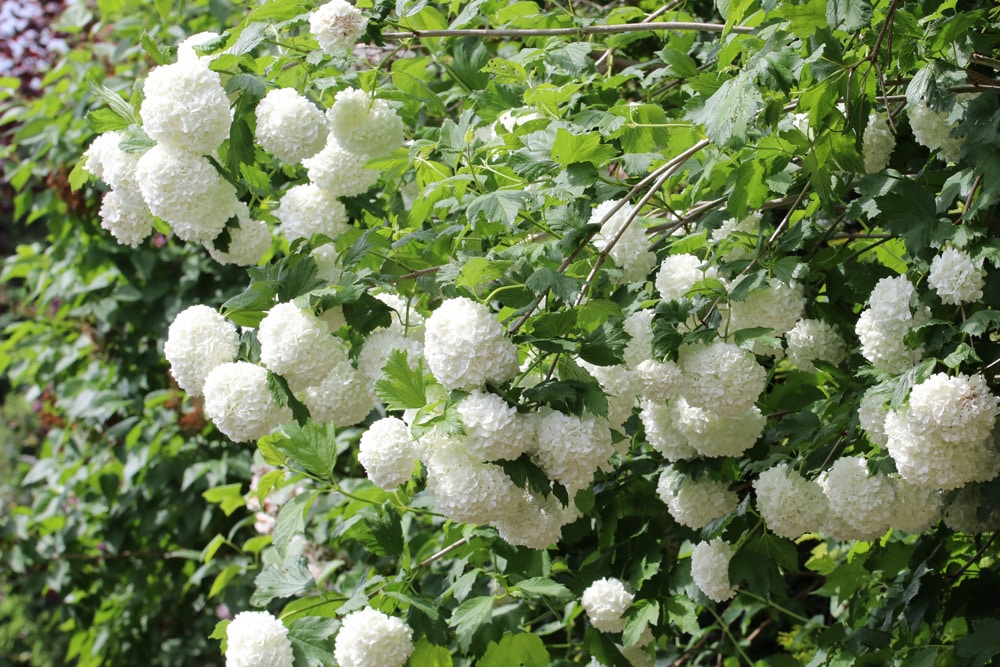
x=788, y=216
x=444, y=552
x=975, y=557
x=980, y=59
x=566, y=32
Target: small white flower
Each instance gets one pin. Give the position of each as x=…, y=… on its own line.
x=465, y=347
x=631, y=252
x=678, y=274
x=790, y=504
x=257, y=639
x=606, y=601
x=127, y=218
x=386, y=452
x=710, y=569
x=695, y=503
x=814, y=339
x=369, y=638
x=308, y=209
x=341, y=173
x=337, y=26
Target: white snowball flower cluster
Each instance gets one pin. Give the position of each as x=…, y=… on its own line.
x=877, y=143
x=289, y=126
x=720, y=376
x=342, y=397
x=257, y=639
x=341, y=173
x=658, y=380
x=962, y=514
x=639, y=327
x=631, y=252
x=810, y=340
x=531, y=521
x=405, y=318
x=882, y=327
x=943, y=438
x=495, y=429
x=861, y=505
x=467, y=490
x=659, y=421
x=932, y=130
x=186, y=49
x=127, y=219
x=337, y=26
x=777, y=306
x=917, y=508
x=379, y=345
x=956, y=277
x=298, y=346
x=678, y=274
x=465, y=346
x=186, y=107
x=619, y=385
x=198, y=340
x=871, y=417
x=247, y=243
x=362, y=124
x=238, y=401
x=736, y=230
x=695, y=503
x=571, y=449
x=606, y=601
x=308, y=209
x=790, y=504
x=184, y=189
x=717, y=433
x=387, y=453
x=710, y=569
x=369, y=638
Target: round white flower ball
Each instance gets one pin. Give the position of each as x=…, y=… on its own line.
x=198, y=340
x=777, y=306
x=917, y=508
x=343, y=397
x=465, y=346
x=495, y=430
x=386, y=452
x=107, y=161
x=720, y=376
x=718, y=433
x=659, y=420
x=619, y=385
x=790, y=504
x=809, y=340
x=678, y=274
x=571, y=449
x=710, y=569
x=308, y=209
x=956, y=278
x=337, y=26
x=882, y=327
x=238, y=401
x=289, y=126
x=658, y=380
x=639, y=327
x=185, y=190
x=871, y=417
x=257, y=639
x=466, y=490
x=298, y=346
x=959, y=408
x=606, y=601
x=861, y=504
x=877, y=143
x=631, y=251
x=369, y=638
x=935, y=463
x=932, y=130
x=186, y=49
x=127, y=218
x=186, y=107
x=362, y=124
x=339, y=172
x=962, y=513
x=247, y=243
x=530, y=521
x=695, y=503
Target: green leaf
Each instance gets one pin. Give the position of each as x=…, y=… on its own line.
x=79, y=175
x=682, y=614
x=228, y=497
x=291, y=520
x=277, y=10
x=426, y=654
x=499, y=206
x=469, y=617
x=311, y=640
x=981, y=321
x=522, y=649
x=479, y=270
x=310, y=446
x=105, y=120
x=250, y=306
x=544, y=279
x=401, y=387
x=571, y=148
x=848, y=15
x=643, y=614
x=605, y=345
x=730, y=110
x=601, y=647
x=749, y=189
x=283, y=396
x=117, y=105
x=288, y=579
x=537, y=587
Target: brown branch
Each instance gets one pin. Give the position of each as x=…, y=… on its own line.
x=487, y=33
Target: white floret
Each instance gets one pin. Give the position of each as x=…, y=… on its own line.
x=659, y=422
x=530, y=521
x=710, y=569
x=307, y=209
x=289, y=126
x=127, y=218
x=337, y=26
x=369, y=638
x=186, y=107
x=721, y=377
x=606, y=601
x=198, y=340
x=678, y=274
x=465, y=347
x=777, y=306
x=495, y=430
x=639, y=327
x=877, y=143
x=387, y=453
x=861, y=504
x=695, y=503
x=257, y=639
x=810, y=340
x=343, y=397
x=362, y=124
x=238, y=401
x=298, y=346
x=932, y=129
x=935, y=463
x=572, y=449
x=917, y=508
x=339, y=172
x=956, y=278
x=247, y=243
x=790, y=504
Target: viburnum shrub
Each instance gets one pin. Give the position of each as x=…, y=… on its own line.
x=627, y=335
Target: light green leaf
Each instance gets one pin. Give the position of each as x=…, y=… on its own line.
x=401, y=388
x=522, y=649
x=729, y=111
x=469, y=617
x=228, y=497
x=536, y=587
x=281, y=581
x=426, y=654
x=571, y=148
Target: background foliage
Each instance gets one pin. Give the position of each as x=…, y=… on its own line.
x=125, y=531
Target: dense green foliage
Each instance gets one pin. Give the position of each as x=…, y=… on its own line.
x=126, y=525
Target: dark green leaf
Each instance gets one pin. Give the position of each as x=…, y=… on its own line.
x=281, y=581
x=283, y=396
x=848, y=15
x=311, y=446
